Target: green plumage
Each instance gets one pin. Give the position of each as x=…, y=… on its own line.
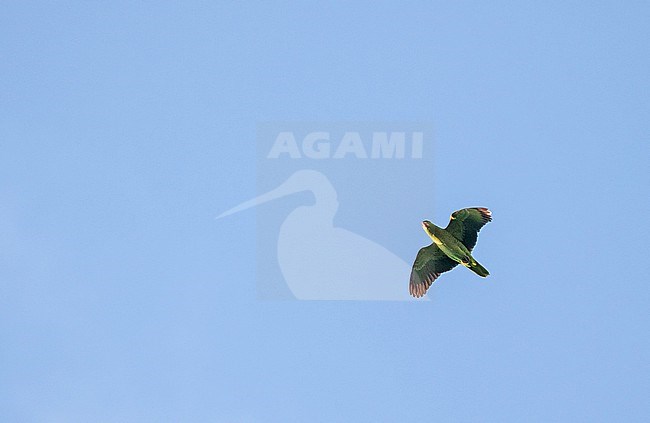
x=451, y=246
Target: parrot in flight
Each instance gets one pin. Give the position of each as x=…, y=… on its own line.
x=451, y=246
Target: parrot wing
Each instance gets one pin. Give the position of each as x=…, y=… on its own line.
x=429, y=264
x=466, y=223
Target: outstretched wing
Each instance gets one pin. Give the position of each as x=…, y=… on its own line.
x=429, y=264
x=466, y=223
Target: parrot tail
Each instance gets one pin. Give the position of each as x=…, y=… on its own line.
x=476, y=267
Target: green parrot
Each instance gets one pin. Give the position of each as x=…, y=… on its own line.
x=451, y=246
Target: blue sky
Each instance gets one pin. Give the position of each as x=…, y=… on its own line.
x=127, y=127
